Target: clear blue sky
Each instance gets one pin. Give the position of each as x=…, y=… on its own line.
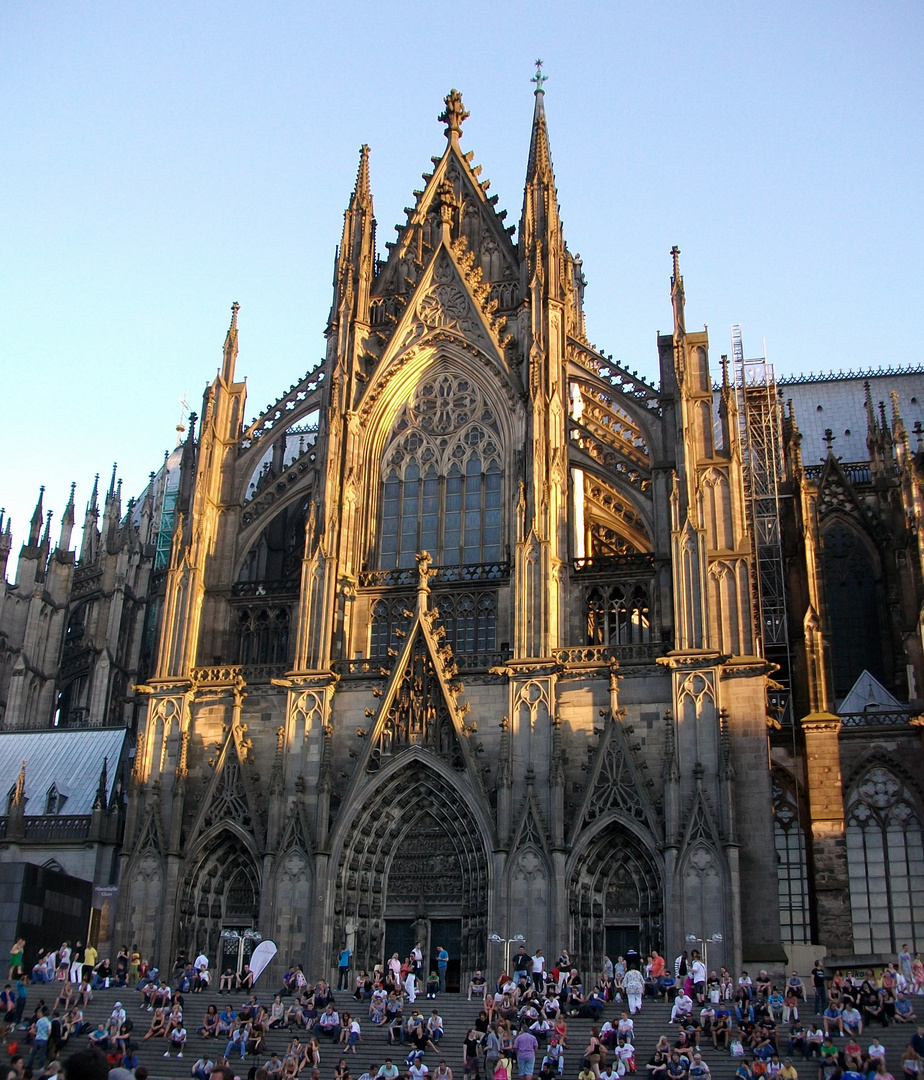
x=159, y=160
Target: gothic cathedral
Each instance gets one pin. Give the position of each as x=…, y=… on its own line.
x=470, y=634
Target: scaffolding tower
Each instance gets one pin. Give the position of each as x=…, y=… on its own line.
x=761, y=434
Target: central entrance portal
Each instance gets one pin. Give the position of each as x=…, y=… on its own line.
x=415, y=869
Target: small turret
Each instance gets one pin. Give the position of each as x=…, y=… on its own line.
x=90, y=543
x=67, y=523
x=6, y=542
x=35, y=526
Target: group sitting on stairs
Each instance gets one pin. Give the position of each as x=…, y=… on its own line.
x=521, y=1029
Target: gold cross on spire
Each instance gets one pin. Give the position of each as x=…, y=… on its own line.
x=539, y=78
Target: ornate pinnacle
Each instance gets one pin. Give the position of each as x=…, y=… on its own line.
x=539, y=78
x=454, y=115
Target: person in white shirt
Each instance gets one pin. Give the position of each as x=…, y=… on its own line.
x=626, y=1027
x=683, y=1007
x=418, y=1070
x=698, y=975
x=538, y=971
x=177, y=1041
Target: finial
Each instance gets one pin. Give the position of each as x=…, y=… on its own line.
x=362, y=173
x=539, y=78
x=919, y=431
x=675, y=254
x=828, y=439
x=454, y=115
x=235, y=308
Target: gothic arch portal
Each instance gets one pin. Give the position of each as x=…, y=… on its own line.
x=615, y=894
x=413, y=852
x=221, y=890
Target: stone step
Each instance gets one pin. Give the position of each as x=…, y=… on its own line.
x=458, y=1016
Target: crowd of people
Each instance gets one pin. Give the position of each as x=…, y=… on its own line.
x=773, y=1028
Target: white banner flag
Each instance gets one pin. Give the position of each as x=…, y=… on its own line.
x=260, y=957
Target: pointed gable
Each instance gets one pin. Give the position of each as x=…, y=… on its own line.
x=453, y=184
x=615, y=783
x=531, y=831
x=420, y=707
x=296, y=834
x=228, y=799
x=450, y=304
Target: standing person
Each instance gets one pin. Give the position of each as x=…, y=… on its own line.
x=343, y=968
x=564, y=969
x=19, y=946
x=698, y=975
x=538, y=971
x=525, y=1046
x=821, y=988
x=470, y=1055
x=40, y=1042
x=442, y=961
x=634, y=985
x=90, y=956
x=417, y=954
x=904, y=964
x=75, y=972
x=410, y=986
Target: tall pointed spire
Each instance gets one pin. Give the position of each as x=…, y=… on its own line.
x=677, y=295
x=6, y=543
x=38, y=516
x=102, y=788
x=540, y=155
x=356, y=256
x=542, y=243
x=230, y=350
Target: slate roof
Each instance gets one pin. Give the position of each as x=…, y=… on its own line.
x=70, y=759
x=866, y=694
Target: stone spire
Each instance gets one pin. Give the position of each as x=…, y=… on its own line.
x=88, y=545
x=67, y=523
x=229, y=355
x=677, y=295
x=38, y=516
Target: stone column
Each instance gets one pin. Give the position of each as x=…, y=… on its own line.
x=829, y=848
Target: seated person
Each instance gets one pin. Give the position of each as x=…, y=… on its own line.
x=851, y=1020
x=478, y=986
x=682, y=1008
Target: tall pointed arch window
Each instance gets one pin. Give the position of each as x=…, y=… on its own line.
x=792, y=878
x=852, y=588
x=442, y=478
x=885, y=857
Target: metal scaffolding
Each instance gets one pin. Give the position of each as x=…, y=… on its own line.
x=761, y=432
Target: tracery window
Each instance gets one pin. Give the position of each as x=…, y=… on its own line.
x=263, y=633
x=469, y=619
x=618, y=615
x=853, y=608
x=885, y=857
x=442, y=479
x=789, y=840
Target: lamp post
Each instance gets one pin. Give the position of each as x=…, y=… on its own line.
x=496, y=939
x=716, y=939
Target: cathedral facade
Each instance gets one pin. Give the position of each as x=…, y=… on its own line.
x=466, y=638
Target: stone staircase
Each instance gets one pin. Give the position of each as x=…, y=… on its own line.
x=458, y=1016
